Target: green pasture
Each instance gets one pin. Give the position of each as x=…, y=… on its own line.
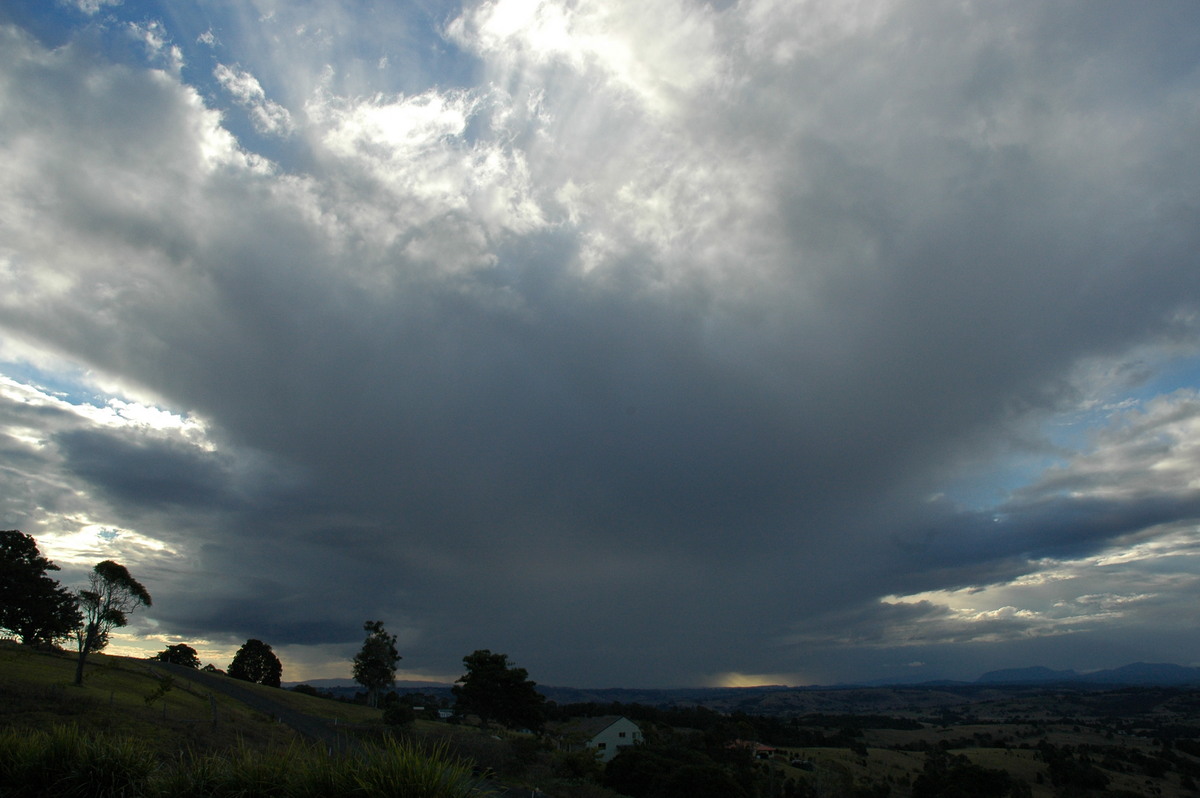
x=125, y=696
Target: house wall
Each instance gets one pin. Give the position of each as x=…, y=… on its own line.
x=620, y=734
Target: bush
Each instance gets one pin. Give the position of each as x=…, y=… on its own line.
x=399, y=715
x=701, y=781
x=581, y=764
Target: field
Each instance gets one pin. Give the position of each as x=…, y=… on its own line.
x=852, y=743
x=1121, y=742
x=837, y=770
x=1082, y=741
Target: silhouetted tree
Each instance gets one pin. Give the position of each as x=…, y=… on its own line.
x=494, y=689
x=33, y=606
x=375, y=664
x=106, y=603
x=179, y=654
x=256, y=662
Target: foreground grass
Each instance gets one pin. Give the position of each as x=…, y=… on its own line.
x=66, y=761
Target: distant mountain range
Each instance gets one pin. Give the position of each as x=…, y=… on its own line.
x=1138, y=673
x=332, y=684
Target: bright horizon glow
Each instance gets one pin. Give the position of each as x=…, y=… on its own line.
x=734, y=679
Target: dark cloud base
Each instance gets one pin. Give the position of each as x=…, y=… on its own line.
x=636, y=376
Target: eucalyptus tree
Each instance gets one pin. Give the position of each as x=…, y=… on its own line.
x=110, y=596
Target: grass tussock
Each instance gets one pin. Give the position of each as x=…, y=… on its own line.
x=65, y=762
x=401, y=769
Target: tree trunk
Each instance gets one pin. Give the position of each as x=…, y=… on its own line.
x=83, y=652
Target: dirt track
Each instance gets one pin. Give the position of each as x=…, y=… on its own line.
x=315, y=729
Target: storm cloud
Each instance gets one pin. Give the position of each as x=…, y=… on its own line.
x=649, y=343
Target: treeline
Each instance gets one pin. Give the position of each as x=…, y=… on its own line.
x=1079, y=765
x=40, y=612
x=696, y=752
x=809, y=731
x=254, y=662
x=946, y=775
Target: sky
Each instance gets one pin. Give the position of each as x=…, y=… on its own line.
x=656, y=343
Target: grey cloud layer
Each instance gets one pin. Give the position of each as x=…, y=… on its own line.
x=661, y=355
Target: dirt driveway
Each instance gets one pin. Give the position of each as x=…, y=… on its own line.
x=316, y=729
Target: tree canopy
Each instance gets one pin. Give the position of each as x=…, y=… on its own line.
x=110, y=596
x=256, y=662
x=33, y=606
x=496, y=690
x=179, y=654
x=375, y=664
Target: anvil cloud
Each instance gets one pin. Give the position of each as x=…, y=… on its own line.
x=651, y=343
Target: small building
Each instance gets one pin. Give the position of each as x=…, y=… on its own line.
x=756, y=749
x=607, y=734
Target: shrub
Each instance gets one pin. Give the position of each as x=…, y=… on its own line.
x=399, y=715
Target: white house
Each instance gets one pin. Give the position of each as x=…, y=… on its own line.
x=607, y=734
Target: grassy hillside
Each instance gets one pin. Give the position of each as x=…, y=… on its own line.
x=133, y=730
x=123, y=734
x=125, y=696
x=129, y=720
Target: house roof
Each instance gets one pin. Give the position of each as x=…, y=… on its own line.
x=590, y=727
